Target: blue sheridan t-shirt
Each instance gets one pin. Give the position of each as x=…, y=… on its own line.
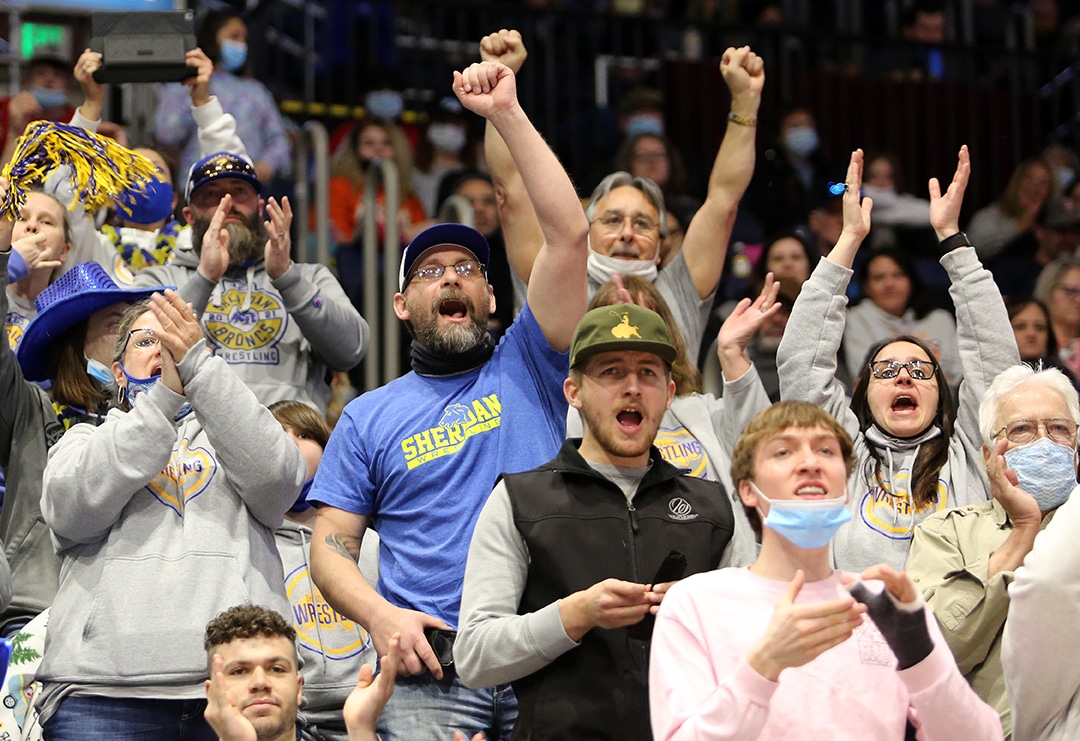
x=421, y=455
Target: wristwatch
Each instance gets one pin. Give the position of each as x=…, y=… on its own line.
x=957, y=240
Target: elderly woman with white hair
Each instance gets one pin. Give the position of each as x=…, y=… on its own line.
x=964, y=559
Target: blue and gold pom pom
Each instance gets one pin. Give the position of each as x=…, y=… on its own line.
x=103, y=172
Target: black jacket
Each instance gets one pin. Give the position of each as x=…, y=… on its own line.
x=580, y=530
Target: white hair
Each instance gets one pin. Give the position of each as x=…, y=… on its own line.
x=622, y=178
x=1011, y=380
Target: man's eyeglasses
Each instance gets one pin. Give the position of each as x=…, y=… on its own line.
x=919, y=370
x=467, y=269
x=143, y=339
x=1023, y=431
x=614, y=220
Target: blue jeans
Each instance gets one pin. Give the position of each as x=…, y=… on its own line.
x=123, y=719
x=426, y=709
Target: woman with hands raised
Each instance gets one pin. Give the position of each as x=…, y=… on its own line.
x=917, y=452
x=166, y=514
x=789, y=647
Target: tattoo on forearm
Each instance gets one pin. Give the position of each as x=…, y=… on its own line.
x=345, y=544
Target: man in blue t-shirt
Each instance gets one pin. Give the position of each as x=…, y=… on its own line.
x=418, y=457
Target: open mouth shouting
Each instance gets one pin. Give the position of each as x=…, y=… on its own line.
x=904, y=404
x=630, y=420
x=454, y=308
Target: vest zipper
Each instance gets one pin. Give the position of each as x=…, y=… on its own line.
x=631, y=511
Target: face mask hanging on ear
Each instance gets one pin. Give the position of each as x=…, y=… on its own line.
x=808, y=523
x=100, y=372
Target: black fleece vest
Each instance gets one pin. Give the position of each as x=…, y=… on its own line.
x=580, y=530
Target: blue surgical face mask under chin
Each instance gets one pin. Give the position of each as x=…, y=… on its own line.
x=233, y=55
x=1045, y=470
x=99, y=372
x=48, y=98
x=810, y=523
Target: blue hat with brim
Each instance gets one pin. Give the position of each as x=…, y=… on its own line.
x=221, y=166
x=72, y=297
x=454, y=235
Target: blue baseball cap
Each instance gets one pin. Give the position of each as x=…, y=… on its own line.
x=456, y=235
x=221, y=166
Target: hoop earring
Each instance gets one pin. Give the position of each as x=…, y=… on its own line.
x=121, y=395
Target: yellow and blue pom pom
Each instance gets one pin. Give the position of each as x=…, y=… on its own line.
x=102, y=172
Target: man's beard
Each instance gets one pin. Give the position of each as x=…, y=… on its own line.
x=450, y=339
x=247, y=239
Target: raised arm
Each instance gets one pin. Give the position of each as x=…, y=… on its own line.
x=521, y=231
x=557, y=285
x=984, y=334
x=706, y=242
x=806, y=358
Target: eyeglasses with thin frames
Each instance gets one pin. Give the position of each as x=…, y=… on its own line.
x=1023, y=431
x=467, y=269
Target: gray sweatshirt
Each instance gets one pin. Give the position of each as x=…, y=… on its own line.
x=161, y=525
x=883, y=519
x=280, y=336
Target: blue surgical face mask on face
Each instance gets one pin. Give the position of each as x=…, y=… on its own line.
x=1045, y=470
x=386, y=104
x=233, y=55
x=138, y=386
x=48, y=98
x=810, y=523
x=99, y=372
x=644, y=123
x=801, y=141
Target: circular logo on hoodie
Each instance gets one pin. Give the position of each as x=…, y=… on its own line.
x=246, y=334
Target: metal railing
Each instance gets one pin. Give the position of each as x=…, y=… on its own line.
x=311, y=168
x=379, y=294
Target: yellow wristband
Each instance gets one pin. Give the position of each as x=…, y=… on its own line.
x=741, y=120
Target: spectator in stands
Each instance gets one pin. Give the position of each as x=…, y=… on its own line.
x=892, y=205
x=69, y=344
x=793, y=175
x=894, y=304
x=1065, y=164
x=510, y=291
x=1039, y=661
x=421, y=471
x=769, y=651
x=558, y=596
x=627, y=214
x=1038, y=348
x=333, y=647
x=1056, y=233
x=443, y=151
x=166, y=538
x=282, y=326
x=1032, y=184
x=44, y=97
x=222, y=35
x=370, y=140
x=147, y=234
x=963, y=559
x=697, y=431
x=1058, y=288
x=791, y=261
x=918, y=453
x=42, y=240
x=654, y=156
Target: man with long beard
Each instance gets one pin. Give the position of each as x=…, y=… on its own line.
x=417, y=458
x=569, y=561
x=282, y=326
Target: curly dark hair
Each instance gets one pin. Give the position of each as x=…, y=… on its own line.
x=246, y=621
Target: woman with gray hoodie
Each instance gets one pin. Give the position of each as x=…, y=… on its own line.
x=916, y=452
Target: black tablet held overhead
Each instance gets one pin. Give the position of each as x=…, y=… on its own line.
x=144, y=46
